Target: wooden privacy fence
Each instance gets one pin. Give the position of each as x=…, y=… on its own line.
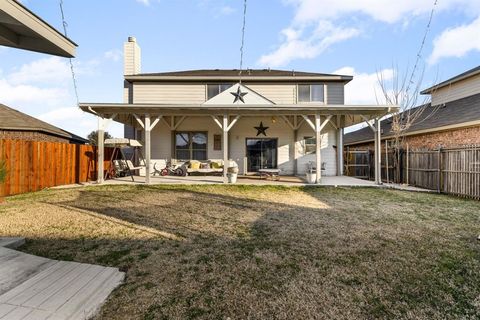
x=451, y=170
x=35, y=165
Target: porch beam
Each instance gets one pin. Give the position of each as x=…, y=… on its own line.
x=179, y=122
x=368, y=122
x=103, y=124
x=139, y=120
x=217, y=121
x=100, y=150
x=230, y=126
x=340, y=151
x=155, y=122
x=324, y=123
x=378, y=155
x=334, y=124
x=169, y=125
x=148, y=148
x=225, y=146
x=318, y=144
x=288, y=122
x=310, y=123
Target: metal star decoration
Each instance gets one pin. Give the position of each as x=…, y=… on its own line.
x=239, y=95
x=261, y=129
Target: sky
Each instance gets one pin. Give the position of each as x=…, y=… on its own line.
x=354, y=37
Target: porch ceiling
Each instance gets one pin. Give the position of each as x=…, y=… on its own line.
x=21, y=28
x=353, y=114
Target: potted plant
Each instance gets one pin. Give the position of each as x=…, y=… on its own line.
x=311, y=173
x=3, y=176
x=232, y=173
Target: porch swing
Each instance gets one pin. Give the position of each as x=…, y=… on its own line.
x=122, y=164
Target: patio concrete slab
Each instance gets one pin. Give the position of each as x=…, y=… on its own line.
x=33, y=287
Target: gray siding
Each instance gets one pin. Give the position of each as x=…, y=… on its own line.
x=335, y=93
x=457, y=90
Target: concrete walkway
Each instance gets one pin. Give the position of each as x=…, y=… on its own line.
x=38, y=288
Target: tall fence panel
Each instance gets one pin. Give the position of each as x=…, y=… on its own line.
x=35, y=165
x=461, y=171
x=422, y=169
x=453, y=171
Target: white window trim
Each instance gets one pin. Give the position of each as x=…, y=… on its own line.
x=310, y=84
x=215, y=84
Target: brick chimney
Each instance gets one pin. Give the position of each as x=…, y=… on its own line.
x=132, y=57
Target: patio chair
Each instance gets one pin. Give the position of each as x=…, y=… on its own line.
x=132, y=168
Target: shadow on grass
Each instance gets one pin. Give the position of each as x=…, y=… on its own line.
x=229, y=254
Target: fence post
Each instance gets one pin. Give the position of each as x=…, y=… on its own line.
x=386, y=160
x=407, y=164
x=440, y=176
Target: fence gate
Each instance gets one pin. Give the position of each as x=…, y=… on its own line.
x=358, y=163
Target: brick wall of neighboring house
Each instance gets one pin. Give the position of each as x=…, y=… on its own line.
x=429, y=141
x=30, y=136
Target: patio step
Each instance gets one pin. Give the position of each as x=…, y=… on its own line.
x=12, y=242
x=33, y=287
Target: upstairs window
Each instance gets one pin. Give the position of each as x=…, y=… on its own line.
x=214, y=89
x=311, y=93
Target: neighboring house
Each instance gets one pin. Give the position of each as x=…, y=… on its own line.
x=17, y=125
x=272, y=119
x=452, y=119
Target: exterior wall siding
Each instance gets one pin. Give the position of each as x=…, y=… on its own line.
x=278, y=93
x=151, y=92
x=458, y=90
x=195, y=93
x=335, y=93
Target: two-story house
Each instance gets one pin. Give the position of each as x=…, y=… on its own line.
x=258, y=118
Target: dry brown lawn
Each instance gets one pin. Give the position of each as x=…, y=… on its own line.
x=218, y=252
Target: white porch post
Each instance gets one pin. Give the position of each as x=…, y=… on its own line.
x=318, y=144
x=378, y=154
x=340, y=151
x=225, y=147
x=148, y=148
x=100, y=149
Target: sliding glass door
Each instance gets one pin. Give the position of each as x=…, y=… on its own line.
x=261, y=153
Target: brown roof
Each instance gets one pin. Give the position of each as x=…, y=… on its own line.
x=454, y=112
x=247, y=73
x=11, y=119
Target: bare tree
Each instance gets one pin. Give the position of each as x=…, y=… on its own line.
x=403, y=90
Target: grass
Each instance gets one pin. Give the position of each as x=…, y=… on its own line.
x=217, y=252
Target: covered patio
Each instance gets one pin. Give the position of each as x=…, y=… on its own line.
x=327, y=181
x=226, y=116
